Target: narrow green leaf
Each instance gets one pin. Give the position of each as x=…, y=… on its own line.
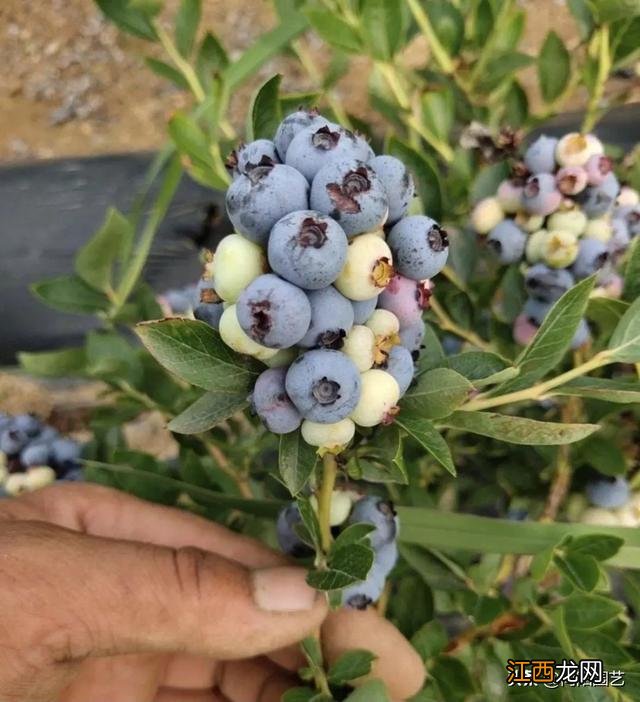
x=624, y=345
x=583, y=17
x=187, y=21
x=518, y=430
x=296, y=461
x=130, y=19
x=423, y=431
x=504, y=66
x=310, y=520
x=589, y=611
x=266, y=112
x=632, y=273
x=196, y=353
x=516, y=105
x=191, y=141
x=620, y=391
x=334, y=31
x=209, y=410
x=167, y=72
x=69, y=293
x=436, y=394
x=313, y=651
x=351, y=665
x=611, y=10
x=382, y=27
x=554, y=67
x=299, y=694
x=211, y=56
x=56, y=364
x=448, y=24
x=477, y=366
x=372, y=691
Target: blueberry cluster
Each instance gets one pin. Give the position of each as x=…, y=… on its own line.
x=564, y=213
x=377, y=512
x=324, y=280
x=612, y=503
x=33, y=454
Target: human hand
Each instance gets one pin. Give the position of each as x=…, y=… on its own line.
x=110, y=599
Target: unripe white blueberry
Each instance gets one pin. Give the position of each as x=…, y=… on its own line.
x=599, y=228
x=331, y=437
x=560, y=249
x=16, y=484
x=627, y=197
x=528, y=222
x=235, y=338
x=486, y=215
x=237, y=262
x=283, y=358
x=378, y=399
x=536, y=246
x=368, y=268
x=509, y=196
x=383, y=323
x=359, y=344
x=626, y=516
x=4, y=472
x=39, y=477
x=576, y=149
x=599, y=517
x=573, y=221
x=341, y=503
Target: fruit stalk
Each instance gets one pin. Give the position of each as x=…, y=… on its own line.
x=447, y=324
x=329, y=474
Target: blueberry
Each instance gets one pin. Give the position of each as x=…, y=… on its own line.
x=236, y=262
x=35, y=454
x=386, y=557
x=486, y=214
x=180, y=301
x=361, y=595
x=205, y=291
x=351, y=193
x=540, y=195
x=28, y=423
x=65, y=454
x=582, y=335
x=507, y=241
x=560, y=248
x=597, y=168
x=524, y=330
x=308, y=249
x=592, y=256
x=536, y=310
x=412, y=336
x=631, y=216
x=406, y=298
x=313, y=148
x=398, y=184
x=547, y=284
x=324, y=385
x=620, y=238
x=400, y=366
x=368, y=269
x=248, y=156
x=331, y=319
x=75, y=475
x=12, y=441
x=571, y=180
x=273, y=312
x=540, y=157
x=235, y=337
x=379, y=513
x=609, y=493
x=360, y=345
x=257, y=200
x=597, y=200
x=451, y=345
x=575, y=149
x=420, y=247
x=288, y=539
x=294, y=123
x=271, y=404
x=379, y=396
x=363, y=309
x=509, y=195
x=210, y=313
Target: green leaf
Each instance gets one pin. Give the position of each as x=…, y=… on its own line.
x=503, y=66
x=626, y=42
x=552, y=339
x=438, y=112
x=382, y=27
x=610, y=10
x=487, y=180
x=193, y=143
x=347, y=566
x=448, y=24
x=353, y=534
x=624, y=345
x=436, y=394
x=423, y=431
x=312, y=651
x=477, y=366
x=589, y=611
x=453, y=678
x=350, y=666
x=196, y=353
x=111, y=358
x=598, y=645
x=69, y=293
x=296, y=461
x=266, y=113
x=371, y=691
x=56, y=364
x=619, y=391
x=516, y=105
x=430, y=639
x=601, y=546
x=299, y=694
x=211, y=56
x=167, y=72
x=604, y=455
x=581, y=570
x=334, y=31
x=310, y=520
x=432, y=355
x=130, y=19
x=209, y=410
x=631, y=288
x=583, y=17
x=94, y=261
x=554, y=67
x=425, y=174
x=518, y=430
x=187, y=21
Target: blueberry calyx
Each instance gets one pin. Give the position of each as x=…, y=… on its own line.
x=332, y=339
x=261, y=324
x=567, y=183
x=312, y=233
x=359, y=602
x=325, y=139
x=437, y=239
x=256, y=172
x=326, y=391
x=343, y=194
x=423, y=295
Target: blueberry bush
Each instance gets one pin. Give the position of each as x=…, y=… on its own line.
x=345, y=380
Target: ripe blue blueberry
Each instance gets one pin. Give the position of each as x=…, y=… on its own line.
x=536, y=310
x=406, y=298
x=271, y=403
x=288, y=539
x=27, y=423
x=540, y=195
x=507, y=241
x=398, y=184
x=412, y=336
x=258, y=199
x=331, y=319
x=540, y=156
x=379, y=513
x=12, y=441
x=65, y=454
x=308, y=249
x=620, y=238
x=400, y=365
x=363, y=309
x=597, y=200
x=181, y=301
x=273, y=312
x=312, y=148
x=609, y=493
x=324, y=385
x=294, y=123
x=386, y=557
x=35, y=454
x=592, y=256
x=547, y=284
x=361, y=595
x=210, y=313
x=248, y=156
x=350, y=191
x=420, y=247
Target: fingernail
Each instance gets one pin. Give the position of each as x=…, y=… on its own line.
x=283, y=589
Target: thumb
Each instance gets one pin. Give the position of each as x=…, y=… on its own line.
x=97, y=596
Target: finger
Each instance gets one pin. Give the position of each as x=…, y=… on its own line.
x=397, y=663
x=101, y=511
x=290, y=658
x=169, y=695
x=190, y=672
x=256, y=679
x=116, y=597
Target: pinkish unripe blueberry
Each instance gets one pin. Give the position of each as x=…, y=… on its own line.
x=540, y=195
x=627, y=196
x=597, y=168
x=571, y=180
x=509, y=196
x=406, y=298
x=524, y=330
